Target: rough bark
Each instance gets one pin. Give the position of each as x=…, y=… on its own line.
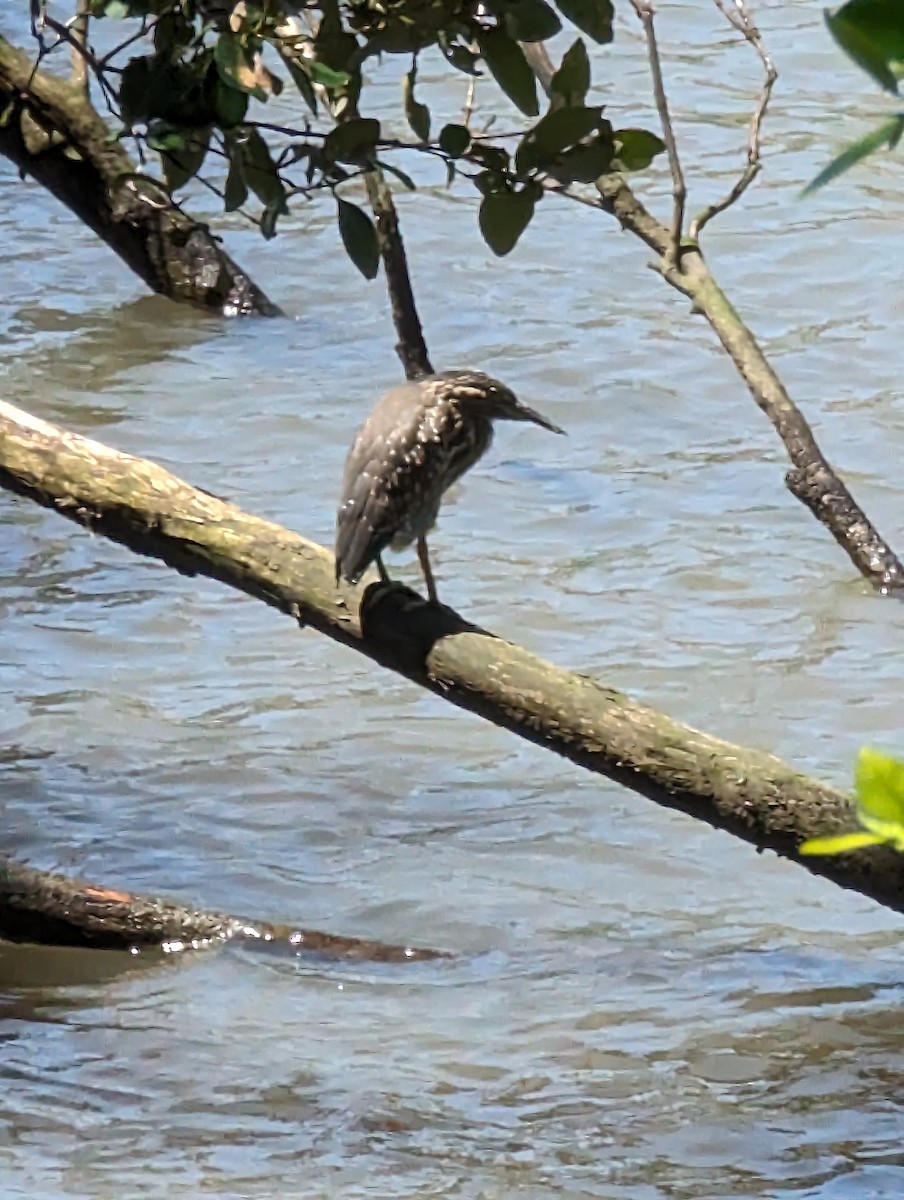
x=50, y=131
x=49, y=909
x=752, y=795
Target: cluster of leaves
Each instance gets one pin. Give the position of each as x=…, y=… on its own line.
x=880, y=808
x=189, y=98
x=871, y=32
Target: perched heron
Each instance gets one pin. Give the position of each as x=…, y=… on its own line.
x=417, y=442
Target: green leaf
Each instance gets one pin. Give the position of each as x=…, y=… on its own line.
x=417, y=115
x=326, y=76
x=526, y=20
x=235, y=192
x=269, y=217
x=359, y=238
x=353, y=141
x=454, y=140
x=302, y=81
x=230, y=104
x=237, y=67
x=871, y=32
x=887, y=134
x=504, y=216
x=259, y=168
x=571, y=82
x=636, y=148
x=183, y=163
x=585, y=163
x=506, y=61
x=557, y=131
x=880, y=786
x=403, y=177
x=838, y=845
x=593, y=17
x=461, y=58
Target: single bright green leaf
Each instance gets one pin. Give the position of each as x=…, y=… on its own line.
x=838, y=845
x=326, y=76
x=880, y=786
x=593, y=17
x=416, y=114
x=571, y=82
x=359, y=238
x=636, y=148
x=507, y=63
x=560, y=129
x=526, y=20
x=871, y=32
x=887, y=134
x=504, y=216
x=454, y=140
x=354, y=140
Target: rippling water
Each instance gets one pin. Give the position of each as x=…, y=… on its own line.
x=639, y=1007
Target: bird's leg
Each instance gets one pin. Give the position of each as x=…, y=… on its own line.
x=384, y=574
x=424, y=559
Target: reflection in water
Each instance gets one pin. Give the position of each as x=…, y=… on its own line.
x=639, y=1007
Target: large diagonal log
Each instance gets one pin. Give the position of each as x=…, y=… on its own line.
x=745, y=792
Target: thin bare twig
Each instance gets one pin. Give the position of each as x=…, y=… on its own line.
x=469, y=105
x=741, y=20
x=644, y=10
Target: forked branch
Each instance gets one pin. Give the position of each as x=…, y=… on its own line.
x=644, y=10
x=741, y=20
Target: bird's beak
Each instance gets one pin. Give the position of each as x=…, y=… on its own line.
x=531, y=414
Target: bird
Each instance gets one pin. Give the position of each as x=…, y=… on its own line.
x=420, y=438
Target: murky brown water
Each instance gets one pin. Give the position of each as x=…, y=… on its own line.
x=640, y=1008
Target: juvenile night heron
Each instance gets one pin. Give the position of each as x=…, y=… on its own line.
x=417, y=442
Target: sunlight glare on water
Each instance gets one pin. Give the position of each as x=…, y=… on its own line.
x=637, y=1007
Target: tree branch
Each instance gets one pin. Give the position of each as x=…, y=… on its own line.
x=742, y=21
x=671, y=257
x=53, y=910
x=411, y=347
x=137, y=503
x=52, y=132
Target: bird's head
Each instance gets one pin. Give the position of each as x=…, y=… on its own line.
x=481, y=394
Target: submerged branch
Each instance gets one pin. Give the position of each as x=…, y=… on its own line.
x=745, y=792
x=51, y=131
x=53, y=910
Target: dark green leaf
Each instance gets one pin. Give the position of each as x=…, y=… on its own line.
x=260, y=170
x=162, y=136
x=506, y=61
x=270, y=216
x=593, y=17
x=417, y=115
x=871, y=32
x=183, y=163
x=504, y=216
x=557, y=131
x=353, y=141
x=636, y=148
x=134, y=89
x=526, y=20
x=404, y=179
x=454, y=140
x=461, y=58
x=237, y=67
x=494, y=158
x=236, y=191
x=887, y=134
x=231, y=105
x=326, y=76
x=303, y=83
x=571, y=82
x=359, y=238
x=585, y=163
